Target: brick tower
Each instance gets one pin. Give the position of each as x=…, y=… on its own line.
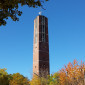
x=41, y=46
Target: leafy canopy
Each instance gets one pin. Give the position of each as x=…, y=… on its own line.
x=18, y=79
x=9, y=8
x=12, y=79
x=72, y=74
x=4, y=77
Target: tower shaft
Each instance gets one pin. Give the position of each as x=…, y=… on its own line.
x=41, y=46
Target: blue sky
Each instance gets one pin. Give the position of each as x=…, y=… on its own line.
x=66, y=36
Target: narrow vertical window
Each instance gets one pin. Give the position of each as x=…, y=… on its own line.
x=43, y=29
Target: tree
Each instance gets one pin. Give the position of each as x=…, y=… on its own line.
x=37, y=80
x=54, y=79
x=49, y=80
x=72, y=74
x=9, y=8
x=18, y=79
x=4, y=77
x=12, y=79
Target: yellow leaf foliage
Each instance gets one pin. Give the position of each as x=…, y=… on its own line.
x=18, y=79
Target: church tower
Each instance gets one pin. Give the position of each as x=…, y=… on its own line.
x=41, y=46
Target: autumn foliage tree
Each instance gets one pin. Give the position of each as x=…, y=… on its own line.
x=4, y=77
x=37, y=80
x=18, y=79
x=12, y=79
x=72, y=74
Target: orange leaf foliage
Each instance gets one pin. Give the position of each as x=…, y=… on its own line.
x=72, y=74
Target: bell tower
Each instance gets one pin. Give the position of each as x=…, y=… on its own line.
x=41, y=46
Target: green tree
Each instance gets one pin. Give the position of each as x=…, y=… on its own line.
x=54, y=79
x=9, y=8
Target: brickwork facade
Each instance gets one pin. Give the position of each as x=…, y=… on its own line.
x=41, y=46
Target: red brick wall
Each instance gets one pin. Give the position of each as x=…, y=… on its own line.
x=41, y=50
